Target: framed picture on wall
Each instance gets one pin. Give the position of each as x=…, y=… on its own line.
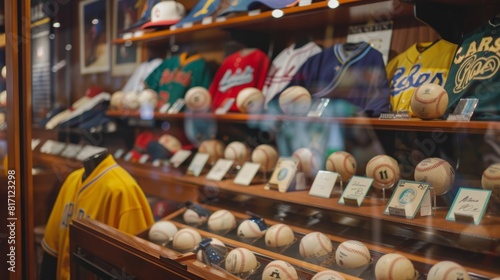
x=95, y=36
x=124, y=57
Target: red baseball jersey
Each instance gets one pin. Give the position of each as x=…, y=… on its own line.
x=242, y=69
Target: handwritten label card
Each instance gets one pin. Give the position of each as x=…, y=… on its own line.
x=469, y=204
x=356, y=189
x=247, y=173
x=220, y=169
x=323, y=184
x=179, y=157
x=197, y=164
x=407, y=198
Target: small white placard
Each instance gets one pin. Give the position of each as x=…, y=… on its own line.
x=179, y=157
x=318, y=107
x=254, y=12
x=177, y=106
x=247, y=173
x=118, y=153
x=323, y=184
x=207, y=20
x=52, y=147
x=197, y=164
x=464, y=110
x=305, y=3
x=143, y=159
x=220, y=19
x=187, y=25
x=471, y=203
x=220, y=169
x=71, y=150
x=407, y=198
x=34, y=143
x=226, y=104
x=356, y=190
x=88, y=151
x=164, y=108
x=283, y=174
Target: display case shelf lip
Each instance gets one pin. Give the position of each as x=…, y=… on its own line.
x=240, y=20
x=414, y=124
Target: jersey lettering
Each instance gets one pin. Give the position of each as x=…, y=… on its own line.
x=67, y=215
x=177, y=76
x=486, y=45
x=475, y=68
x=415, y=78
x=240, y=77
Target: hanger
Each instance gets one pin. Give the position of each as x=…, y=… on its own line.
x=90, y=163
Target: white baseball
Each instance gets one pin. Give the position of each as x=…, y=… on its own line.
x=447, y=270
x=327, y=275
x=384, y=170
x=429, y=101
x=315, y=245
x=131, y=101
x=295, y=100
x=352, y=254
x=250, y=229
x=436, y=171
x=240, y=260
x=162, y=232
x=3, y=98
x=309, y=161
x=266, y=156
x=279, y=270
x=343, y=163
x=394, y=267
x=198, y=99
x=237, y=151
x=170, y=142
x=221, y=220
x=192, y=217
x=186, y=239
x=116, y=100
x=490, y=180
x=4, y=72
x=148, y=97
x=214, y=148
x=279, y=235
x=213, y=242
x=250, y=100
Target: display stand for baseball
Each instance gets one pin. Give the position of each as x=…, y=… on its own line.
x=343, y=163
x=279, y=269
x=436, y=171
x=214, y=148
x=221, y=220
x=315, y=245
x=490, y=180
x=237, y=152
x=279, y=235
x=250, y=100
x=240, y=260
x=429, y=101
x=328, y=275
x=309, y=161
x=394, y=267
x=198, y=99
x=352, y=254
x=384, y=170
x=250, y=229
x=186, y=240
x=447, y=270
x=295, y=100
x=162, y=232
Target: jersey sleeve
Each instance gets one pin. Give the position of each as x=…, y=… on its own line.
x=152, y=81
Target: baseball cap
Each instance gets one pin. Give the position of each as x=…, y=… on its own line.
x=202, y=9
x=165, y=13
x=140, y=145
x=158, y=151
x=145, y=16
x=246, y=5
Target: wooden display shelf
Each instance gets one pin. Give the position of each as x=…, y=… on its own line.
x=317, y=14
x=414, y=124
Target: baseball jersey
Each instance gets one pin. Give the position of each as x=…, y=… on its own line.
x=347, y=72
x=475, y=70
x=420, y=64
x=175, y=75
x=135, y=82
x=284, y=66
x=242, y=69
x=109, y=195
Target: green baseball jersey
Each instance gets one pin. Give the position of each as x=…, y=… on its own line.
x=420, y=64
x=474, y=72
x=109, y=195
x=176, y=75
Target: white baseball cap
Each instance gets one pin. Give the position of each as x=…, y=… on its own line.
x=165, y=13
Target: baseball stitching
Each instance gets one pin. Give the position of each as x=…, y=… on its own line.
x=436, y=165
x=352, y=250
